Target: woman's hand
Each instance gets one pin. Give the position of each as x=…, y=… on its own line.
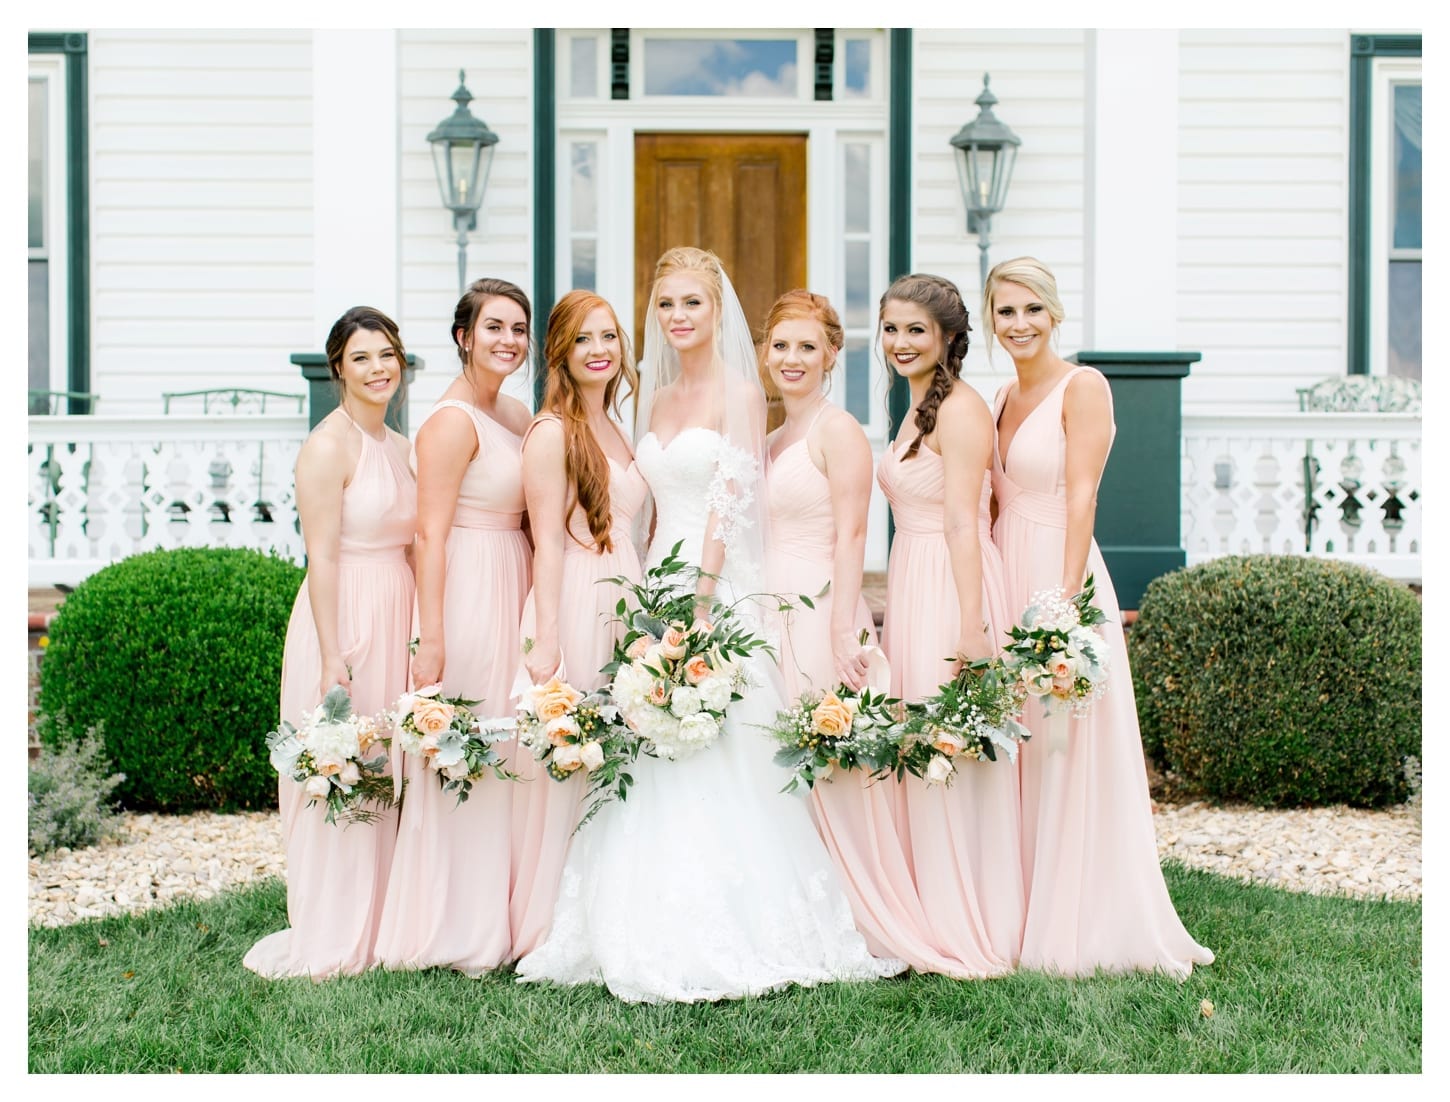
x=973, y=646
x=542, y=661
x=850, y=659
x=427, y=668
x=335, y=672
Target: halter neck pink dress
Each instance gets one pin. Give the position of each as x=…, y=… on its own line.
x=1095, y=891
x=447, y=901
x=856, y=819
x=963, y=840
x=337, y=873
x=545, y=810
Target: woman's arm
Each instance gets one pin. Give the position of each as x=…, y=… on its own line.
x=320, y=480
x=1087, y=421
x=712, y=556
x=546, y=491
x=964, y=437
x=446, y=444
x=847, y=456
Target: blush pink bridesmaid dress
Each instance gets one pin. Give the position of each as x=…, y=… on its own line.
x=337, y=873
x=545, y=810
x=963, y=840
x=447, y=901
x=856, y=819
x=1095, y=891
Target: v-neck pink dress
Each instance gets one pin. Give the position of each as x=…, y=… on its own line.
x=963, y=840
x=337, y=874
x=856, y=819
x=447, y=902
x=1095, y=891
x=546, y=810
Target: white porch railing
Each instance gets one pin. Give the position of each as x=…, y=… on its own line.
x=1337, y=485
x=103, y=488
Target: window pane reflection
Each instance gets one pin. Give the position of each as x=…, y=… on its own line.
x=584, y=263
x=583, y=68
x=583, y=187
x=858, y=284
x=37, y=164
x=1404, y=320
x=858, y=188
x=857, y=356
x=712, y=67
x=1407, y=166
x=858, y=68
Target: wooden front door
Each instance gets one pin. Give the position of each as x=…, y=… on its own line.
x=742, y=196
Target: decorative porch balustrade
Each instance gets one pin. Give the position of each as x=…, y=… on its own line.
x=103, y=488
x=1337, y=485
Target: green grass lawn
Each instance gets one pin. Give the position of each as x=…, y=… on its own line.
x=1301, y=984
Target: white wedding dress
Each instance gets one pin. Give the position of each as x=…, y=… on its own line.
x=707, y=882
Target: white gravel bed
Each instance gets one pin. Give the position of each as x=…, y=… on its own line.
x=160, y=858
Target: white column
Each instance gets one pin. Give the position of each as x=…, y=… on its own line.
x=355, y=174
x=1131, y=191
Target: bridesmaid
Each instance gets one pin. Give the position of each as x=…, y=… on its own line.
x=963, y=841
x=447, y=901
x=818, y=488
x=584, y=494
x=350, y=625
x=1095, y=891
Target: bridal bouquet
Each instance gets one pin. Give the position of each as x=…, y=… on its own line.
x=568, y=730
x=972, y=716
x=842, y=729
x=1054, y=654
x=673, y=676
x=445, y=733
x=338, y=757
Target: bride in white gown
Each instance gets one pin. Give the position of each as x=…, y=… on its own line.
x=706, y=882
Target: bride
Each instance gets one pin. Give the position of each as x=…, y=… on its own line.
x=706, y=883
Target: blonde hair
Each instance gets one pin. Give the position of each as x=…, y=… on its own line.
x=686, y=258
x=1025, y=271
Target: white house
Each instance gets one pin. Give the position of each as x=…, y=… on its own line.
x=203, y=204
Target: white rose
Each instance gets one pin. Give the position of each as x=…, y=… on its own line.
x=568, y=756
x=317, y=787
x=1037, y=682
x=456, y=771
x=592, y=755
x=350, y=774
x=685, y=701
x=939, y=769
x=699, y=729
x=714, y=693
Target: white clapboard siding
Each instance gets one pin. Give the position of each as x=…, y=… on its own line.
x=1037, y=75
x=201, y=211
x=1262, y=213
x=499, y=72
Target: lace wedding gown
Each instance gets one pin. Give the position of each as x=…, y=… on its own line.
x=707, y=882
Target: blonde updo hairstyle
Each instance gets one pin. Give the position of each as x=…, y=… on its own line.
x=1029, y=272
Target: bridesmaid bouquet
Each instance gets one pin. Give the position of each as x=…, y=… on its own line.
x=568, y=730
x=338, y=757
x=672, y=676
x=971, y=716
x=1055, y=656
x=445, y=733
x=842, y=729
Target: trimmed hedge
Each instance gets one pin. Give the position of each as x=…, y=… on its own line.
x=176, y=656
x=1280, y=680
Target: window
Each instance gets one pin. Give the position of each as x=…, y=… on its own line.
x=1385, y=191
x=584, y=215
x=58, y=252
x=767, y=67
x=860, y=260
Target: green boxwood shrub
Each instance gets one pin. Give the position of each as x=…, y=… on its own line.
x=177, y=657
x=1280, y=680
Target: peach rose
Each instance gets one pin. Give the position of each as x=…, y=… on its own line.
x=317, y=787
x=672, y=644
x=659, y=694
x=432, y=717
x=561, y=730
x=697, y=669
x=349, y=775
x=554, y=698
x=832, y=717
x=591, y=754
x=640, y=645
x=568, y=757
x=948, y=742
x=1062, y=667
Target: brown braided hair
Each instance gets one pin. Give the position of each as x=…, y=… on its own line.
x=586, y=467
x=943, y=303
